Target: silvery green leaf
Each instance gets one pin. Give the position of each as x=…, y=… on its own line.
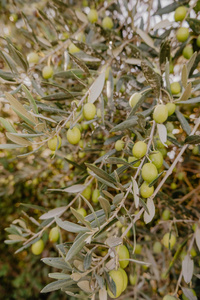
x=58, y=275
x=96, y=88
x=146, y=38
x=7, y=125
x=77, y=188
x=184, y=76
x=105, y=205
x=184, y=123
x=18, y=140
x=191, y=62
x=53, y=286
x=135, y=192
x=189, y=294
x=187, y=93
x=103, y=294
x=80, y=218
x=56, y=262
x=187, y=268
x=151, y=208
x=77, y=246
x=162, y=132
x=53, y=213
x=100, y=173
x=192, y=139
x=69, y=226
x=31, y=99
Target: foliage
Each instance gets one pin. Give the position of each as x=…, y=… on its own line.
x=69, y=131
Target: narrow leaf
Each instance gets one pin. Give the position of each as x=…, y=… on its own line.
x=184, y=76
x=184, y=123
x=53, y=213
x=162, y=132
x=80, y=218
x=77, y=246
x=18, y=140
x=7, y=125
x=135, y=192
x=96, y=88
x=151, y=208
x=105, y=205
x=31, y=99
x=69, y=226
x=187, y=268
x=101, y=173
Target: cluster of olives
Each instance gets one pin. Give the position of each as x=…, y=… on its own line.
x=38, y=247
x=183, y=32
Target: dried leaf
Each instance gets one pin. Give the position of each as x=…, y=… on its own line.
x=103, y=294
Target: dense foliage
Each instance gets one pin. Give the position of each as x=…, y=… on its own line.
x=100, y=149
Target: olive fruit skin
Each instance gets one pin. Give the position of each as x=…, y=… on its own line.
x=107, y=23
x=125, y=278
x=156, y=159
x=173, y=185
x=33, y=58
x=37, y=247
x=157, y=247
x=89, y=111
x=117, y=277
x=47, y=72
x=93, y=16
x=73, y=135
x=133, y=279
x=198, y=41
x=168, y=297
x=175, y=88
x=171, y=107
x=123, y=253
x=145, y=190
x=54, y=234
x=139, y=149
x=134, y=99
x=160, y=113
x=195, y=150
x=166, y=214
x=188, y=51
x=82, y=212
x=180, y=13
x=52, y=143
x=95, y=196
x=131, y=159
x=119, y=145
x=149, y=172
x=170, y=127
x=87, y=192
x=182, y=34
x=169, y=240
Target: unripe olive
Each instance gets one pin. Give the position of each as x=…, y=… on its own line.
x=173, y=185
x=82, y=212
x=47, y=72
x=117, y=277
x=125, y=278
x=157, y=159
x=188, y=51
x=169, y=240
x=168, y=297
x=149, y=172
x=73, y=135
x=107, y=23
x=138, y=249
x=145, y=190
x=128, y=233
x=171, y=68
x=195, y=150
x=87, y=192
x=139, y=149
x=157, y=247
x=175, y=88
x=180, y=176
x=169, y=127
x=89, y=111
x=133, y=279
x=198, y=41
x=123, y=253
x=160, y=113
x=166, y=214
x=52, y=143
x=93, y=16
x=171, y=107
x=81, y=37
x=180, y=13
x=119, y=145
x=33, y=58
x=54, y=234
x=37, y=247
x=182, y=34
x=95, y=196
x=131, y=159
x=134, y=99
